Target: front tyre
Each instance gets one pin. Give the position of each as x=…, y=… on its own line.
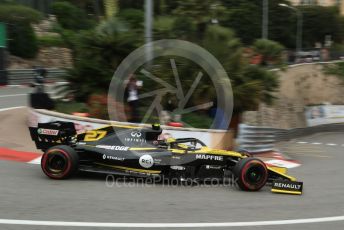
x=251, y=174
x=60, y=162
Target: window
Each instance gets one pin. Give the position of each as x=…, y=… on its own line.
x=308, y=2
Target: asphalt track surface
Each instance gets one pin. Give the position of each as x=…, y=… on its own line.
x=26, y=194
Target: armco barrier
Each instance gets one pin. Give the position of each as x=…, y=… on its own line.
x=27, y=76
x=256, y=139
x=219, y=139
x=285, y=135
x=262, y=139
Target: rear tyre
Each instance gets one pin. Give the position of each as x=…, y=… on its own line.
x=60, y=162
x=251, y=174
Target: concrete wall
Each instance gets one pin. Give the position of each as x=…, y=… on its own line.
x=300, y=85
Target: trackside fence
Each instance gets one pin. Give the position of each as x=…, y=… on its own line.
x=261, y=139
x=27, y=76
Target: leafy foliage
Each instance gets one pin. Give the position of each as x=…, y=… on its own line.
x=12, y=13
x=71, y=17
x=336, y=69
x=319, y=22
x=270, y=51
x=50, y=41
x=244, y=21
x=97, y=53
x=22, y=39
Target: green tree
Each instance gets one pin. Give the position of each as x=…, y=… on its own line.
x=270, y=51
x=97, y=53
x=282, y=24
x=71, y=17
x=318, y=22
x=22, y=39
x=250, y=84
x=244, y=19
x=134, y=17
x=200, y=12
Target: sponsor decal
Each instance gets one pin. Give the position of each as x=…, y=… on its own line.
x=292, y=186
x=209, y=157
x=139, y=140
x=135, y=136
x=177, y=167
x=146, y=161
x=48, y=132
x=95, y=135
x=107, y=157
x=212, y=167
x=136, y=133
x=157, y=161
x=113, y=147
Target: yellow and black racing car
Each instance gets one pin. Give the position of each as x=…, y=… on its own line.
x=139, y=152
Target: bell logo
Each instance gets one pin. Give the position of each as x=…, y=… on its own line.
x=146, y=161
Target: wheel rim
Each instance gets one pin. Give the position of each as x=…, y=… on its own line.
x=56, y=163
x=254, y=175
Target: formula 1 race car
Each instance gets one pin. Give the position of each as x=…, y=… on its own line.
x=140, y=152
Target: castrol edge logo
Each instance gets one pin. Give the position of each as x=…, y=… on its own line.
x=49, y=132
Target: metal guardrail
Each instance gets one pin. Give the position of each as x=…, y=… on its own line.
x=288, y=134
x=27, y=76
x=256, y=139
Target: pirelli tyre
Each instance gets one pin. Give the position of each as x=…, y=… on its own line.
x=60, y=162
x=251, y=174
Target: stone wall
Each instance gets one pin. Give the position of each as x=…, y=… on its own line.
x=48, y=57
x=300, y=85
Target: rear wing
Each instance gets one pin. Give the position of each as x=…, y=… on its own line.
x=46, y=135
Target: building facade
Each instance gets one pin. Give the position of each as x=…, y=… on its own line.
x=339, y=3
x=316, y=2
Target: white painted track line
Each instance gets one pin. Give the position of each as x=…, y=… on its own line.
x=5, y=109
x=36, y=161
x=170, y=225
x=302, y=142
x=14, y=95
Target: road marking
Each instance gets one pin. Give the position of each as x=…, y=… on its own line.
x=170, y=225
x=316, y=143
x=311, y=154
x=302, y=142
x=13, y=155
x=18, y=107
x=14, y=95
x=36, y=161
x=283, y=163
x=319, y=143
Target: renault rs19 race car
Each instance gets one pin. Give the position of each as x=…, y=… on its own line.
x=140, y=152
